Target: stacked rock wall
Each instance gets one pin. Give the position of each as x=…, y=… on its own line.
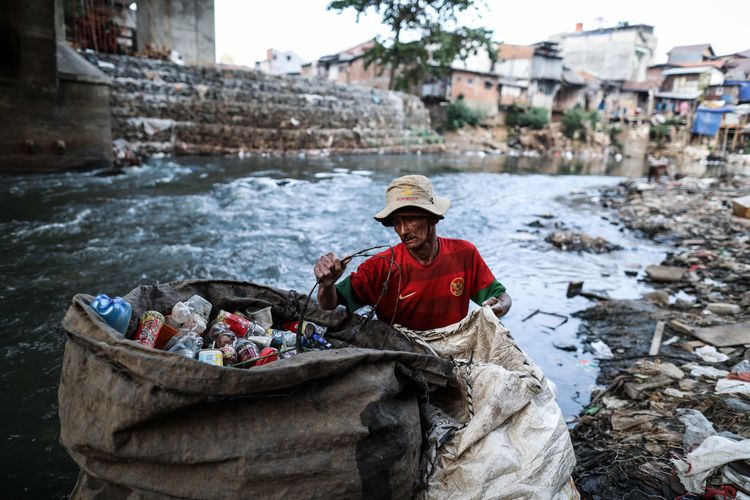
x=158, y=106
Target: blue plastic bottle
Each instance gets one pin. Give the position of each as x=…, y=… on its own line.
x=116, y=312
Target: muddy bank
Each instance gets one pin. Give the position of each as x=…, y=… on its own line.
x=651, y=410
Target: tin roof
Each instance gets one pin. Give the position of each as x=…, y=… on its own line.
x=691, y=49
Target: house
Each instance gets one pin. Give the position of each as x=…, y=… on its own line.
x=690, y=54
x=278, y=62
x=348, y=67
x=572, y=93
x=530, y=75
x=683, y=85
x=616, y=54
x=737, y=66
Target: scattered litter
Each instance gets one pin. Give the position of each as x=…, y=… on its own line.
x=671, y=340
x=708, y=372
x=742, y=367
x=741, y=207
x=725, y=335
x=580, y=242
x=563, y=317
x=729, y=386
x=714, y=452
x=672, y=392
x=614, y=403
x=601, y=350
x=656, y=340
x=576, y=288
x=636, y=391
x=709, y=354
x=697, y=428
x=588, y=365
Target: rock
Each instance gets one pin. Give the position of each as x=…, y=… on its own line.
x=724, y=308
x=666, y=274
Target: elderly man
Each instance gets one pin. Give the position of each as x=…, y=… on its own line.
x=430, y=279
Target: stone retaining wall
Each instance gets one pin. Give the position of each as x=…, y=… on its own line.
x=160, y=107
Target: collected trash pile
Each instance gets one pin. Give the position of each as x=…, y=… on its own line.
x=239, y=340
x=672, y=415
x=457, y=412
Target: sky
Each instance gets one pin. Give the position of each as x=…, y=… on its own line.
x=246, y=28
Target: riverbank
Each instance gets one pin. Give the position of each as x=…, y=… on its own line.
x=680, y=350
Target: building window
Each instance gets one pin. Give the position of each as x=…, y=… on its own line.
x=488, y=84
x=274, y=57
x=470, y=81
x=288, y=58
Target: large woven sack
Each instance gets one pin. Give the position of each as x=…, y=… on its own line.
x=510, y=440
x=145, y=423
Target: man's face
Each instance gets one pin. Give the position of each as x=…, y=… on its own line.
x=415, y=227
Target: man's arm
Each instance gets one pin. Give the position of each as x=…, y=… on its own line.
x=500, y=305
x=327, y=271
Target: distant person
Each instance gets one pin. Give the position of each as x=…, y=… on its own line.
x=433, y=278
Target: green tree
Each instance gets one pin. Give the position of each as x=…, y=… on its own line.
x=573, y=122
x=534, y=117
x=459, y=114
x=425, y=37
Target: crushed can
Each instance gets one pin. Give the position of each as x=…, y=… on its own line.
x=211, y=356
x=247, y=350
x=148, y=330
x=272, y=356
x=235, y=322
x=230, y=354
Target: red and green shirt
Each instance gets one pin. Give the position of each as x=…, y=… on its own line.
x=422, y=296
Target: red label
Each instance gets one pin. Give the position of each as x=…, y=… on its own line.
x=237, y=324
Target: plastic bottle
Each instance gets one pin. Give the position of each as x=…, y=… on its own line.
x=200, y=306
x=115, y=311
x=186, y=345
x=181, y=312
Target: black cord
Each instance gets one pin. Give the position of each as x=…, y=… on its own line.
x=384, y=289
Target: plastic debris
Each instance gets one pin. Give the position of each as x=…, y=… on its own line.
x=710, y=354
x=714, y=452
x=601, y=350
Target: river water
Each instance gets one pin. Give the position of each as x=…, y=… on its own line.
x=267, y=220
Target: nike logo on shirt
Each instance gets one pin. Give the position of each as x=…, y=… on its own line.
x=402, y=297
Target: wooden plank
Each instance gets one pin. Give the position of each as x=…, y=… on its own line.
x=656, y=339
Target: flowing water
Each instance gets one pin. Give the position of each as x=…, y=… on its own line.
x=267, y=220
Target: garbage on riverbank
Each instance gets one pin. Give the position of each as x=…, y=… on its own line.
x=580, y=242
x=672, y=412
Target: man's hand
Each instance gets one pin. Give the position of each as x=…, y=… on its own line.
x=500, y=305
x=327, y=271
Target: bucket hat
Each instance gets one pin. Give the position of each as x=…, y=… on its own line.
x=412, y=191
